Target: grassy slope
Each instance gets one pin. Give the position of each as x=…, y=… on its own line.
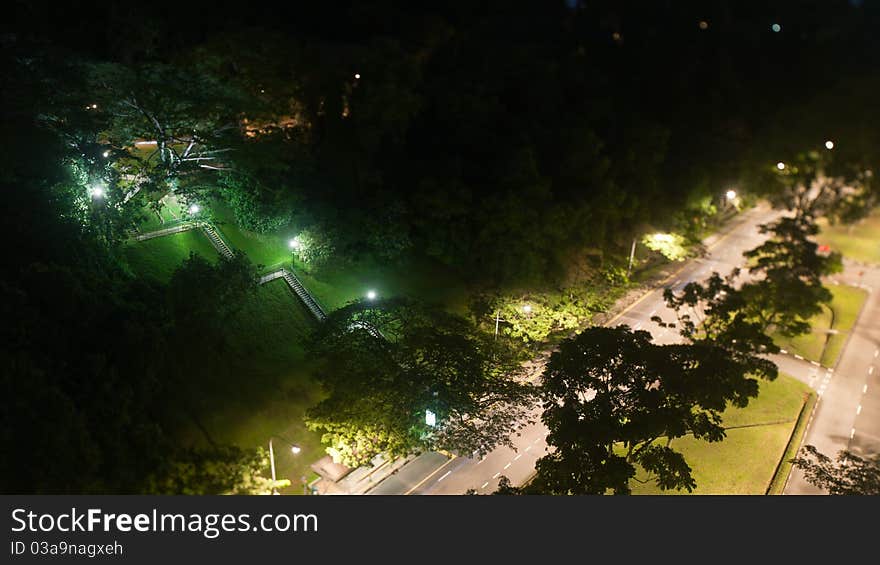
x=860, y=242
x=159, y=257
x=846, y=305
x=263, y=249
x=745, y=461
x=272, y=389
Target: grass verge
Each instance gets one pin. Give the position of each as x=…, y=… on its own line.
x=797, y=435
x=757, y=438
x=859, y=241
x=840, y=316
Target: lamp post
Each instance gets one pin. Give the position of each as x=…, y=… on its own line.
x=294, y=448
x=632, y=255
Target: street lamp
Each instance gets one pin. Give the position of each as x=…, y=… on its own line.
x=294, y=448
x=97, y=191
x=106, y=154
x=780, y=165
x=829, y=145
x=371, y=295
x=295, y=243
x=731, y=194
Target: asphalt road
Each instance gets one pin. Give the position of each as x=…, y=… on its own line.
x=847, y=415
x=436, y=474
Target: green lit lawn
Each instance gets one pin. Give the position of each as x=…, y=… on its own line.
x=272, y=389
x=757, y=438
x=263, y=249
x=860, y=242
x=159, y=257
x=845, y=306
x=424, y=281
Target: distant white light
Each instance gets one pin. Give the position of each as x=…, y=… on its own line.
x=94, y=106
x=194, y=209
x=829, y=144
x=776, y=28
x=430, y=418
x=780, y=165
x=731, y=194
x=527, y=308
x=295, y=449
x=96, y=192
x=371, y=295
x=106, y=154
x=295, y=243
x=357, y=76
x=704, y=24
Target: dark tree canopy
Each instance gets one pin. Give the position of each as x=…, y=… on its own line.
x=386, y=363
x=614, y=402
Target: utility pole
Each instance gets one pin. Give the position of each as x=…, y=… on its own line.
x=272, y=460
x=632, y=254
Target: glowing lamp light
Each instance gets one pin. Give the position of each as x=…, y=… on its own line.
x=357, y=76
x=776, y=28
x=96, y=192
x=780, y=165
x=295, y=244
x=106, y=154
x=371, y=295
x=662, y=237
x=295, y=449
x=430, y=418
x=829, y=144
x=704, y=24
x=731, y=194
x=194, y=209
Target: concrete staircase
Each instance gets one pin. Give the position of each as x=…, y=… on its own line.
x=217, y=241
x=303, y=294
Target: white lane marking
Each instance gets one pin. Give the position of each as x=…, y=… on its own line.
x=496, y=475
x=876, y=353
x=484, y=484
x=638, y=326
x=517, y=457
x=871, y=370
x=536, y=441
x=506, y=467
x=444, y=476
x=796, y=356
x=814, y=363
x=481, y=460
x=654, y=312
x=852, y=433
x=528, y=448
x=865, y=389
x=859, y=410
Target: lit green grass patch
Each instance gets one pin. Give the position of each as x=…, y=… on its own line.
x=269, y=249
x=860, y=241
x=840, y=316
x=757, y=438
x=160, y=256
x=271, y=388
